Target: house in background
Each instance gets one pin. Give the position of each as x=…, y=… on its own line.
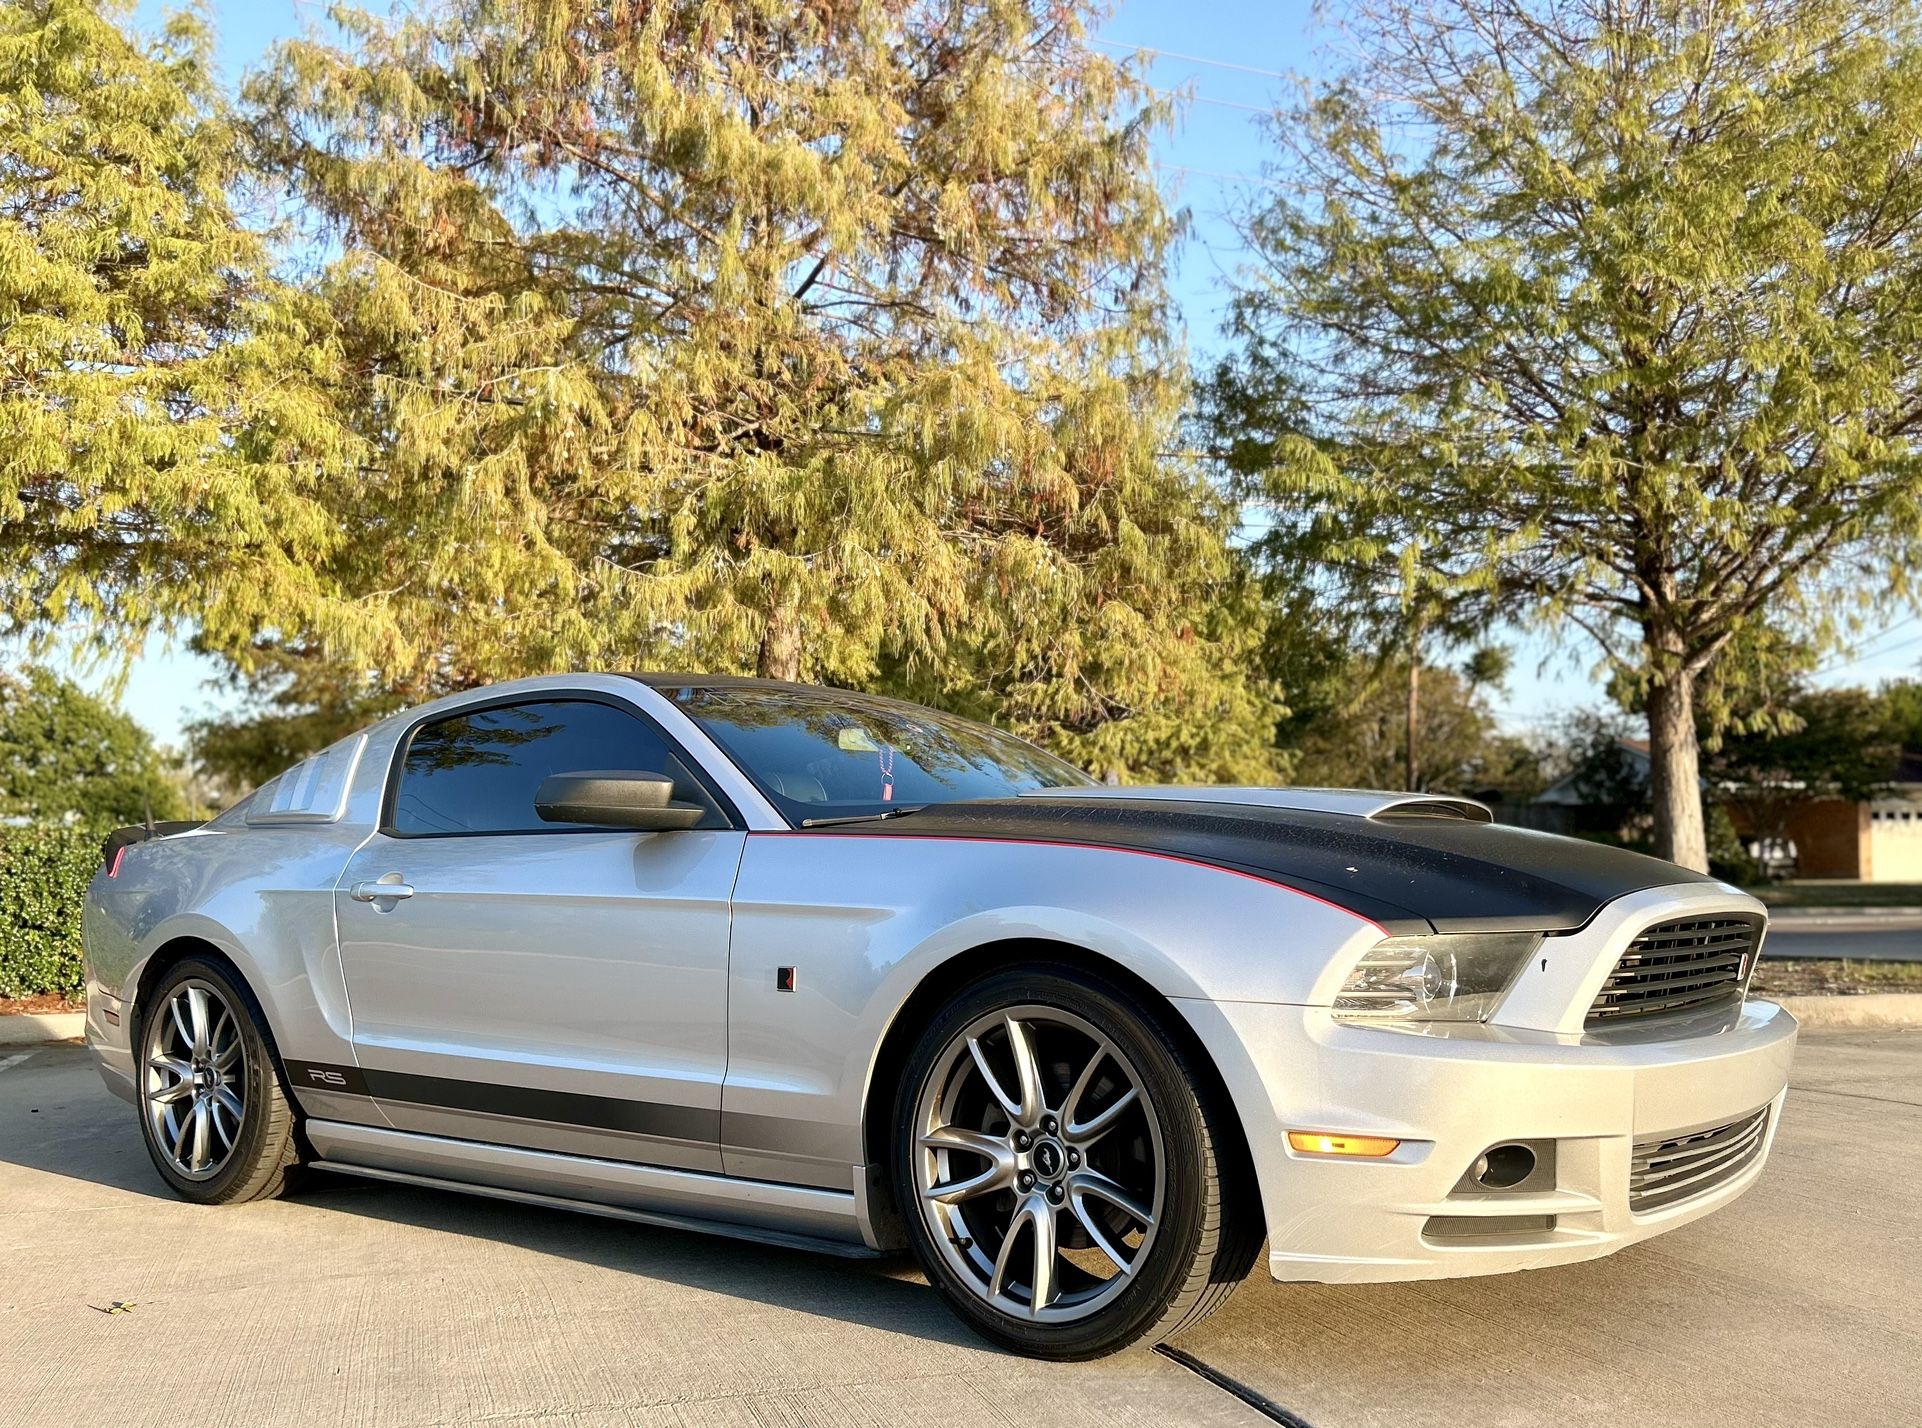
x=1876, y=840
x=1594, y=801
x=1631, y=773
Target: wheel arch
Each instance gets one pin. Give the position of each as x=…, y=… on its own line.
x=947, y=978
x=170, y=953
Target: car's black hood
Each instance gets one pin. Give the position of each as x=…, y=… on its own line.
x=1409, y=874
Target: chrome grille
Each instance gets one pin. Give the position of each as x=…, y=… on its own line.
x=1667, y=1171
x=1674, y=966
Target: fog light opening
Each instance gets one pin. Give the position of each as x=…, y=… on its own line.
x=1502, y=1167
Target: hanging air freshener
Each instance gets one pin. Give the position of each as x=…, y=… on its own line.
x=886, y=757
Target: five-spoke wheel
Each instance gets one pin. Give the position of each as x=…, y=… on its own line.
x=1058, y=1168
x=1039, y=1169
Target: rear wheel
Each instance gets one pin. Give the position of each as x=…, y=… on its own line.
x=1060, y=1170
x=214, y=1116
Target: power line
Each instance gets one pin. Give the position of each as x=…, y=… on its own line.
x=1221, y=174
x=1208, y=99
x=1193, y=59
x=1869, y=654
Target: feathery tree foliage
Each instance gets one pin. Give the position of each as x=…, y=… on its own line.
x=820, y=340
x=1611, y=310
x=166, y=435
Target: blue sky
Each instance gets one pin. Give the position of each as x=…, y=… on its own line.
x=1225, y=55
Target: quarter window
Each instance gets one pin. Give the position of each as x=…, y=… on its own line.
x=478, y=772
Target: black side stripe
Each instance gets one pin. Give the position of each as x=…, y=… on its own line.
x=613, y=1113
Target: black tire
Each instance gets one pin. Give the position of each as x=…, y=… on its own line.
x=1207, y=1228
x=266, y=1146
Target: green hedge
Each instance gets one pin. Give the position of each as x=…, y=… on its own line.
x=44, y=874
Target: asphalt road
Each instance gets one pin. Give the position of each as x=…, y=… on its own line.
x=1876, y=938
x=372, y=1305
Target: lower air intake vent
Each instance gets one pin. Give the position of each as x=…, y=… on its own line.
x=1666, y=1172
x=1677, y=966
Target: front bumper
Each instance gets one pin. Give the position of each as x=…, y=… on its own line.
x=1450, y=1092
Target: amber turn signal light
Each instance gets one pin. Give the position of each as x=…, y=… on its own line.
x=1320, y=1143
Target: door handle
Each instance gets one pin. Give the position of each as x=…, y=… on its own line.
x=371, y=892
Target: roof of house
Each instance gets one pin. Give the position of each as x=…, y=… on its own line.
x=1563, y=789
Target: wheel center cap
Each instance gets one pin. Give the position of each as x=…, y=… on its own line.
x=1049, y=1160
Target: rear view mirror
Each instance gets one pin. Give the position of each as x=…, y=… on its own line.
x=615, y=798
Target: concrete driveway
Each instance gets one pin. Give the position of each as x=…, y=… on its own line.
x=365, y=1304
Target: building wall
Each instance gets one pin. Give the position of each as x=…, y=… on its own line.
x=1894, y=841
x=1833, y=839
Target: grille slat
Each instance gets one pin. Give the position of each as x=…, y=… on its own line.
x=1666, y=1172
x=1685, y=1171
x=1679, y=965
x=1694, y=1143
x=1656, y=1194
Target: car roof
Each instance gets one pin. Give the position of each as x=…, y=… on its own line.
x=655, y=680
x=666, y=682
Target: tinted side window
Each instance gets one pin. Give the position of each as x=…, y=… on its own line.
x=477, y=773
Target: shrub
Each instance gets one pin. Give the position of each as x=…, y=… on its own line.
x=1728, y=858
x=44, y=874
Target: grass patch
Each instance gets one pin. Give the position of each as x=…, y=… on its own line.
x=1822, y=893
x=1788, y=977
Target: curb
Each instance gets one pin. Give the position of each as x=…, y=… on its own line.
x=1779, y=915
x=1867, y=1011
x=36, y=1028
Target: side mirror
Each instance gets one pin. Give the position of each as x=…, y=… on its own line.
x=615, y=798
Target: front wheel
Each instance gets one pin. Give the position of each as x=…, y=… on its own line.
x=1061, y=1170
x=215, y=1119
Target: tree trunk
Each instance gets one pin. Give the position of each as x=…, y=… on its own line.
x=780, y=652
x=1674, y=774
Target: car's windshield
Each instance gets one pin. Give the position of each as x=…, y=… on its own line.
x=824, y=753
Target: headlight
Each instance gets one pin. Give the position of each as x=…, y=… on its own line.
x=1447, y=977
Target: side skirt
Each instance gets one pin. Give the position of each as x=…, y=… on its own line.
x=798, y=1217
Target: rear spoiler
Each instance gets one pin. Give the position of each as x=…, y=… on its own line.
x=140, y=833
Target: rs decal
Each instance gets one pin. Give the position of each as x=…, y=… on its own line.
x=308, y=1076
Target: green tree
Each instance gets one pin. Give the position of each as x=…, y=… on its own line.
x=166, y=431
x=1360, y=742
x=1366, y=582
x=1835, y=743
x=67, y=757
x=1611, y=311
x=823, y=342
x=1900, y=702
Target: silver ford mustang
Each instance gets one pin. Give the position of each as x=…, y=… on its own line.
x=818, y=968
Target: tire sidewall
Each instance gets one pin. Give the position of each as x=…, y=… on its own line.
x=261, y=1083
x=1138, y=1034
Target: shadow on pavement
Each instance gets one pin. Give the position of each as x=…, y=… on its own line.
x=58, y=1122
x=61, y=1123
x=884, y=1293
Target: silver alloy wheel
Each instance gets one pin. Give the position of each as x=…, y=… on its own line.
x=1039, y=1167
x=195, y=1079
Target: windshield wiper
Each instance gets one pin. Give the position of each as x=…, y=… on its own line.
x=861, y=817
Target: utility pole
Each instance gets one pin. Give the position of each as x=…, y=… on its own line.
x=1414, y=705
